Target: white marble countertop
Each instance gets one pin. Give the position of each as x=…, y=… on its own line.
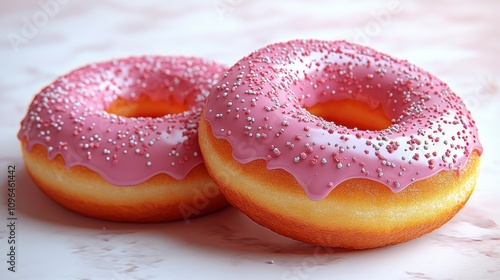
x=457, y=40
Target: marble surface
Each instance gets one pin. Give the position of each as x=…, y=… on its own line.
x=40, y=40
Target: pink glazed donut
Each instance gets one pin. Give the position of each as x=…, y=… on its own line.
x=339, y=145
x=118, y=140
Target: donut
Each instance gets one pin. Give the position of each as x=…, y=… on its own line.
x=339, y=145
x=118, y=140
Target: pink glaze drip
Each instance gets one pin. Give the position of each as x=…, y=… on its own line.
x=258, y=106
x=68, y=117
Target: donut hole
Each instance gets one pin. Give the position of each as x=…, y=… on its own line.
x=352, y=114
x=144, y=106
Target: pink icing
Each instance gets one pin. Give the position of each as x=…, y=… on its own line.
x=68, y=117
x=258, y=106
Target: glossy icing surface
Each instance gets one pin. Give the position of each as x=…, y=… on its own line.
x=259, y=107
x=69, y=117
